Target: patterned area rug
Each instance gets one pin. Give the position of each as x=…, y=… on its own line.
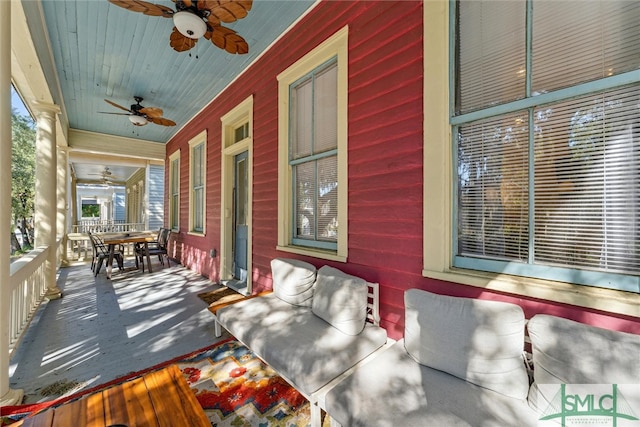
x=234, y=387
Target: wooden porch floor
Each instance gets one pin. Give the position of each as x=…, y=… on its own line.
x=103, y=329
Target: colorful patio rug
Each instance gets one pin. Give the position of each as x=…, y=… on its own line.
x=234, y=387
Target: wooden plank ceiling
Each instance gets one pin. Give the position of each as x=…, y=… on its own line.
x=103, y=51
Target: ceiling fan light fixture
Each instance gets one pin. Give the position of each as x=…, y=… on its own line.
x=189, y=24
x=138, y=120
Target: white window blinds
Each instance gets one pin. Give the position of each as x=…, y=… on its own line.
x=574, y=42
x=491, y=53
x=313, y=157
x=551, y=179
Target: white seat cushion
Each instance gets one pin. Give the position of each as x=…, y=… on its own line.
x=394, y=390
x=299, y=345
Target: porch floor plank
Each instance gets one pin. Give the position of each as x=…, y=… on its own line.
x=102, y=329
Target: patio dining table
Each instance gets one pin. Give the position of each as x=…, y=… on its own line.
x=143, y=237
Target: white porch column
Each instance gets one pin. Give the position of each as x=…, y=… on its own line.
x=7, y=395
x=62, y=203
x=46, y=201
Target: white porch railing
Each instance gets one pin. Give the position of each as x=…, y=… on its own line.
x=106, y=226
x=78, y=244
x=27, y=286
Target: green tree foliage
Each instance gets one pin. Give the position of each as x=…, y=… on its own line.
x=23, y=172
x=90, y=211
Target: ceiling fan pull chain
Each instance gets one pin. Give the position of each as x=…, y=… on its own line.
x=196, y=54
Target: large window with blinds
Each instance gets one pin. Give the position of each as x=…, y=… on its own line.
x=546, y=139
x=312, y=152
x=313, y=157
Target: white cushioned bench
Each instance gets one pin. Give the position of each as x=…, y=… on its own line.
x=312, y=328
x=460, y=364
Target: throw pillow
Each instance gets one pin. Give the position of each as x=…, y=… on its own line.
x=341, y=300
x=293, y=281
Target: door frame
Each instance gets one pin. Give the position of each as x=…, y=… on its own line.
x=241, y=114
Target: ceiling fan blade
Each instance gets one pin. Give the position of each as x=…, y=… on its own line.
x=117, y=106
x=226, y=10
x=162, y=121
x=180, y=43
x=147, y=8
x=117, y=114
x=152, y=112
x=227, y=39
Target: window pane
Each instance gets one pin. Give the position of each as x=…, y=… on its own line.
x=241, y=132
x=492, y=188
x=175, y=178
x=197, y=165
x=328, y=199
x=587, y=183
x=305, y=182
x=301, y=120
x=326, y=110
x=198, y=209
x=490, y=53
x=174, y=211
x=577, y=41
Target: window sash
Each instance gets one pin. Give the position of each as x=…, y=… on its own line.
x=313, y=157
x=197, y=190
x=546, y=222
x=198, y=208
x=175, y=193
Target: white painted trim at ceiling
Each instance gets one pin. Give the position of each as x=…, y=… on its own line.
x=116, y=160
x=100, y=143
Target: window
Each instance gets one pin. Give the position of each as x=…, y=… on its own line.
x=197, y=177
x=313, y=150
x=313, y=158
x=174, y=191
x=90, y=208
x=546, y=135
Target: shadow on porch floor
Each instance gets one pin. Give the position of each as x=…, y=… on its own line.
x=103, y=329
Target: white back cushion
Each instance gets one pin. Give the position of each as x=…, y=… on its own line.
x=341, y=300
x=293, y=280
x=570, y=352
x=480, y=341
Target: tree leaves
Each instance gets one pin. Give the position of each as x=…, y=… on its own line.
x=23, y=168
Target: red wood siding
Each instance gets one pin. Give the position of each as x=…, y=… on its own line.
x=385, y=139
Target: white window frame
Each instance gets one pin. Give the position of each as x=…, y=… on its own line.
x=174, y=223
x=199, y=140
x=438, y=197
x=335, y=46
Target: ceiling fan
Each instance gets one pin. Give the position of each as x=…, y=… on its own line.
x=193, y=19
x=107, y=176
x=140, y=116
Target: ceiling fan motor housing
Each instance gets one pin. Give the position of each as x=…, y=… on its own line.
x=189, y=24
